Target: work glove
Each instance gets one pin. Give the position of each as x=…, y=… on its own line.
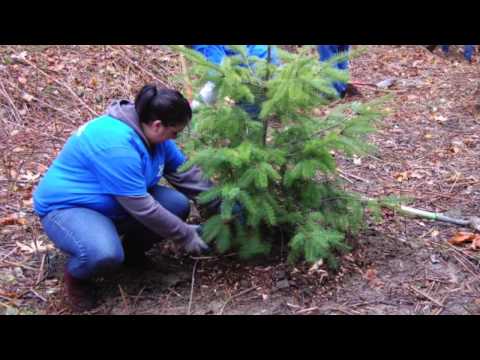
x=207, y=95
x=193, y=242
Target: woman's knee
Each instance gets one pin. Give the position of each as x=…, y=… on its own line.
x=105, y=260
x=180, y=205
x=173, y=201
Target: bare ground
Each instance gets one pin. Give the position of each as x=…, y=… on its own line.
x=427, y=150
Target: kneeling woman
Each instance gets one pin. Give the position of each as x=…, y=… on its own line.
x=104, y=184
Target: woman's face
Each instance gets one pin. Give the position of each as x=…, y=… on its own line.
x=156, y=132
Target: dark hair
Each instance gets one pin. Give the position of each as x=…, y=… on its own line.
x=167, y=105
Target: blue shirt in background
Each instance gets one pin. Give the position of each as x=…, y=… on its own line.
x=216, y=53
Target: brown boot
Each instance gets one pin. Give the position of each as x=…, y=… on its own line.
x=79, y=294
x=352, y=90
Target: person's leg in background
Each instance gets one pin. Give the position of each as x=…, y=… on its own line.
x=468, y=52
x=326, y=52
x=342, y=65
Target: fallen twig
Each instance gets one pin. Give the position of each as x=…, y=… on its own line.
x=176, y=293
x=303, y=311
x=38, y=295
x=353, y=176
x=211, y=257
x=376, y=87
x=138, y=296
x=10, y=300
x=236, y=296
x=124, y=299
x=9, y=253
x=12, y=104
x=425, y=295
x=5, y=305
x=12, y=263
x=346, y=178
x=461, y=261
x=40, y=272
x=191, y=288
x=347, y=312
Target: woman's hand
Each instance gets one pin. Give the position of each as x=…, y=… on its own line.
x=193, y=242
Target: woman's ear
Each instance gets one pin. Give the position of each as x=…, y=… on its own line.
x=157, y=124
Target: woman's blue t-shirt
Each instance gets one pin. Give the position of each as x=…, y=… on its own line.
x=104, y=158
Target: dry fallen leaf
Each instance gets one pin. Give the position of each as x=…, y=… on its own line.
x=454, y=149
x=12, y=219
x=8, y=220
x=401, y=176
x=371, y=274
x=476, y=243
x=22, y=221
x=455, y=177
x=461, y=237
x=469, y=142
x=464, y=237
x=416, y=175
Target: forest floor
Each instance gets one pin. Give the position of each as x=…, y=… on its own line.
x=427, y=149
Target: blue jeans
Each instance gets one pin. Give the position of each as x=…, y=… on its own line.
x=325, y=52
x=253, y=110
x=92, y=240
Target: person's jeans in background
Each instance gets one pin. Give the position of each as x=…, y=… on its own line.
x=468, y=51
x=325, y=53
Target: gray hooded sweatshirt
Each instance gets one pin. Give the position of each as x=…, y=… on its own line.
x=145, y=208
